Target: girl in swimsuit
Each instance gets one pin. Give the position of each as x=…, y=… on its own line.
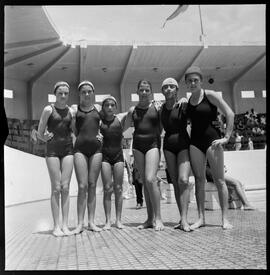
x=176, y=145
x=206, y=142
x=112, y=170
x=146, y=150
x=55, y=129
x=87, y=154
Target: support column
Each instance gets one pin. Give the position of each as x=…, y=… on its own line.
x=82, y=68
x=130, y=61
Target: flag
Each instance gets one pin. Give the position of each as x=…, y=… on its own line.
x=181, y=8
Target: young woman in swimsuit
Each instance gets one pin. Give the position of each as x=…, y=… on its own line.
x=55, y=129
x=206, y=142
x=146, y=150
x=176, y=146
x=112, y=170
x=87, y=154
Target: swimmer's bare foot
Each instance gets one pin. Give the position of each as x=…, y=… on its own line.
x=78, y=229
x=159, y=225
x=57, y=232
x=226, y=225
x=147, y=224
x=198, y=224
x=249, y=208
x=67, y=232
x=107, y=226
x=119, y=225
x=177, y=226
x=93, y=227
x=185, y=227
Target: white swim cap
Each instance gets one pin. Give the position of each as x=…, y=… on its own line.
x=58, y=84
x=86, y=82
x=169, y=81
x=107, y=98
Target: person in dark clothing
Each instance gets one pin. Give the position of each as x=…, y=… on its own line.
x=137, y=182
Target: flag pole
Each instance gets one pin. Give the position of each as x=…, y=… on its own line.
x=202, y=36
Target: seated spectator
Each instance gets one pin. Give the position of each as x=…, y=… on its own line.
x=232, y=182
x=247, y=115
x=253, y=113
x=262, y=119
x=238, y=141
x=256, y=131
x=240, y=126
x=250, y=144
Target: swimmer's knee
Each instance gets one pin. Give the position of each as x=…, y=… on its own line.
x=183, y=182
x=56, y=190
x=65, y=189
x=150, y=180
x=220, y=183
x=108, y=189
x=82, y=188
x=199, y=180
x=118, y=188
x=92, y=185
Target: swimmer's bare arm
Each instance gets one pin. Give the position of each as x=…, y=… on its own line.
x=122, y=118
x=159, y=106
x=215, y=99
x=183, y=101
x=128, y=120
x=99, y=136
x=42, y=132
x=73, y=110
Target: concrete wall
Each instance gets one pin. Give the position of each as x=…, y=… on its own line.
x=16, y=107
x=27, y=178
x=247, y=166
x=245, y=104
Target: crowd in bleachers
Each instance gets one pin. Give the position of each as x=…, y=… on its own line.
x=249, y=125
x=20, y=136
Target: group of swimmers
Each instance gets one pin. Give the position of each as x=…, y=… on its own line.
x=89, y=136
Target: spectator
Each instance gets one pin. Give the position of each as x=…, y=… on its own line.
x=232, y=182
x=238, y=143
x=138, y=183
x=250, y=144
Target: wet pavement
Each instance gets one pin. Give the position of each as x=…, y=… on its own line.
x=31, y=246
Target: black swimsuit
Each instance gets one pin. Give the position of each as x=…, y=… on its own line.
x=174, y=122
x=59, y=124
x=203, y=117
x=87, y=125
x=147, y=129
x=112, y=141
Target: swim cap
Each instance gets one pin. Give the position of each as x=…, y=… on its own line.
x=107, y=98
x=86, y=82
x=193, y=70
x=169, y=81
x=58, y=84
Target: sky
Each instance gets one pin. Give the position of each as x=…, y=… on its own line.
x=224, y=24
